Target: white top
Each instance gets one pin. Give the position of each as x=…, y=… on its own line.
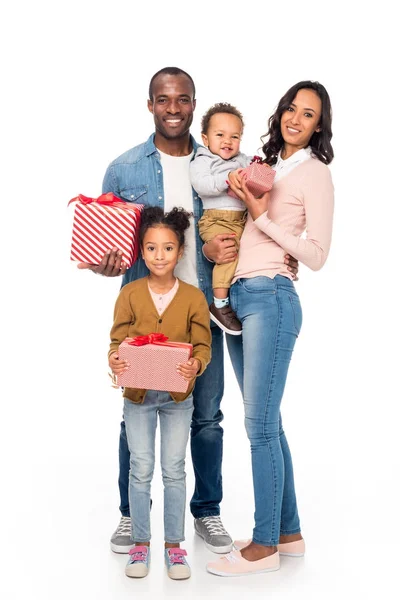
x=283, y=167
x=178, y=192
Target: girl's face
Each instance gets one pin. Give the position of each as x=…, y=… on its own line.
x=223, y=135
x=301, y=120
x=161, y=251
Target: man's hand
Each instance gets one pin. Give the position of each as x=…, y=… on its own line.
x=111, y=264
x=293, y=265
x=117, y=365
x=189, y=369
x=221, y=249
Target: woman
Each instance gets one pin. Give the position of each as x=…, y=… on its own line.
x=265, y=300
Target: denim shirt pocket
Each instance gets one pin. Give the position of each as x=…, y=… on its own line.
x=135, y=194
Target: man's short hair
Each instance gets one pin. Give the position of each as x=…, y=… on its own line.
x=170, y=71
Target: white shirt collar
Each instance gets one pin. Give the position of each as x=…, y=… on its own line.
x=283, y=167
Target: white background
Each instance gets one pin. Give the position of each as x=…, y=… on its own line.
x=75, y=77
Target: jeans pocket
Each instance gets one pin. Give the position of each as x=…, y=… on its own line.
x=296, y=311
x=259, y=285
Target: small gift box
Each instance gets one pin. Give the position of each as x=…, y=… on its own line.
x=259, y=178
x=153, y=360
x=103, y=223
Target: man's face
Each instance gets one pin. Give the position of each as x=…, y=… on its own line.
x=172, y=105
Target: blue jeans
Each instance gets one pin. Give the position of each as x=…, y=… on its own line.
x=271, y=317
x=206, y=439
x=141, y=424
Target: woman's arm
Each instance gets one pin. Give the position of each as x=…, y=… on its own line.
x=318, y=205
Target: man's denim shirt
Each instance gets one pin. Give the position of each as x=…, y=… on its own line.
x=136, y=176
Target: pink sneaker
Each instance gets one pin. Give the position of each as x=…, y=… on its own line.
x=295, y=549
x=234, y=565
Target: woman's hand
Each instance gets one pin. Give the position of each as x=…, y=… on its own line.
x=189, y=369
x=255, y=206
x=116, y=365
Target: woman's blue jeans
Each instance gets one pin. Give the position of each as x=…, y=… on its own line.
x=271, y=317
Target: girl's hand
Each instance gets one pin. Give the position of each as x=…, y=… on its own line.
x=116, y=365
x=189, y=369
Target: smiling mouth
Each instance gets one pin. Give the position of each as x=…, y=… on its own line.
x=291, y=130
x=173, y=121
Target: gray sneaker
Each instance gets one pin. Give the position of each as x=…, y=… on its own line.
x=121, y=538
x=214, y=534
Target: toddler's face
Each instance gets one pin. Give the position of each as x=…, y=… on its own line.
x=223, y=135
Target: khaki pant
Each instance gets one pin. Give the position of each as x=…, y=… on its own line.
x=211, y=224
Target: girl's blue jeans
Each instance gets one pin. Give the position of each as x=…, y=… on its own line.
x=271, y=317
x=141, y=424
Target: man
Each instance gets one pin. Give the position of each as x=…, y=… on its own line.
x=157, y=173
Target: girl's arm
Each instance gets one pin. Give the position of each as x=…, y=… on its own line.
x=200, y=338
x=123, y=317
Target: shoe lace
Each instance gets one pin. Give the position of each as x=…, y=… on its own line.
x=124, y=527
x=214, y=525
x=177, y=557
x=137, y=556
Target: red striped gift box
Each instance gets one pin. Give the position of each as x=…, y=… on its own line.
x=103, y=223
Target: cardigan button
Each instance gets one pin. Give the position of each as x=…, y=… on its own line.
x=160, y=320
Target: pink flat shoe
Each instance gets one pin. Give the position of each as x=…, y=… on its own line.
x=295, y=549
x=234, y=565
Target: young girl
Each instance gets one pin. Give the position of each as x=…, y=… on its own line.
x=160, y=303
x=265, y=300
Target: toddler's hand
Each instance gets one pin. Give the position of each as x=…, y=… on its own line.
x=235, y=178
x=117, y=366
x=189, y=369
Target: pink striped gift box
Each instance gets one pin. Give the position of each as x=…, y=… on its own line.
x=103, y=223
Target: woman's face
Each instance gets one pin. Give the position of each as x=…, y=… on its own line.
x=300, y=120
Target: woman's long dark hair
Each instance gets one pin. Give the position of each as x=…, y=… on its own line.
x=320, y=142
